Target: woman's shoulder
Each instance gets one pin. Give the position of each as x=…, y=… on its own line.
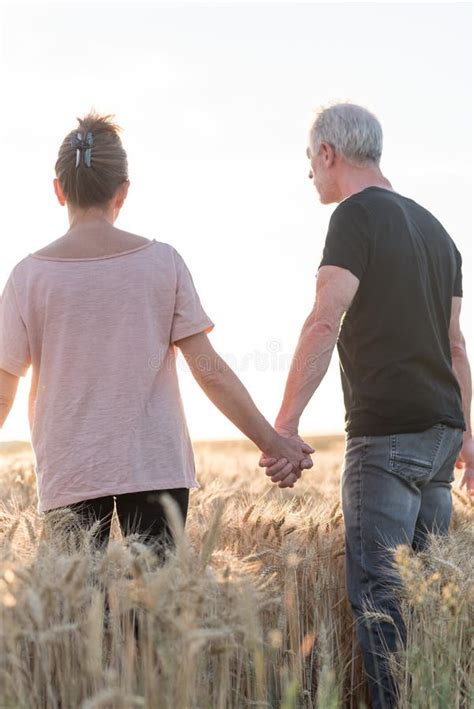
x=56, y=249
x=91, y=242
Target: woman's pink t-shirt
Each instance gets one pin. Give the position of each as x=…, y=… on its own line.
x=105, y=410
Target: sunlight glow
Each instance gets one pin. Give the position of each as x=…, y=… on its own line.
x=215, y=101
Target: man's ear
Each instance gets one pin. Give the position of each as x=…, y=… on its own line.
x=59, y=193
x=328, y=153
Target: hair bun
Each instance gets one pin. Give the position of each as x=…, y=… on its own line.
x=97, y=186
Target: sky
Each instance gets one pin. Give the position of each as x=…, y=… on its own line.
x=216, y=100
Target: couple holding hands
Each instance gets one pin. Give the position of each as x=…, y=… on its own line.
x=89, y=311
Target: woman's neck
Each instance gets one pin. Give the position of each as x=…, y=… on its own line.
x=90, y=217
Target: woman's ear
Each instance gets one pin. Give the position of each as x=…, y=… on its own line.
x=58, y=191
x=121, y=194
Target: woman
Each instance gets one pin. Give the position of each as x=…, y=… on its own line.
x=98, y=313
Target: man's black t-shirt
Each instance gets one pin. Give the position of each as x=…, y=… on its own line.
x=394, y=351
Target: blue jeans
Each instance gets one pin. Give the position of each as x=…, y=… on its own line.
x=394, y=489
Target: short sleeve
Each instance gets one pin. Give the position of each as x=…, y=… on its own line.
x=458, y=279
x=348, y=241
x=189, y=316
x=14, y=345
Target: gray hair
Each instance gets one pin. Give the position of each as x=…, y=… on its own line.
x=352, y=130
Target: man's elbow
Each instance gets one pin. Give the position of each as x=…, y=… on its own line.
x=458, y=351
x=458, y=348
x=319, y=327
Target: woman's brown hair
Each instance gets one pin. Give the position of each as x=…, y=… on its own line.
x=91, y=186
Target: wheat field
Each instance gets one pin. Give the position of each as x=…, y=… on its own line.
x=249, y=610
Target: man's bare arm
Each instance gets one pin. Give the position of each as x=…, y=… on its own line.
x=460, y=361
x=335, y=290
x=462, y=371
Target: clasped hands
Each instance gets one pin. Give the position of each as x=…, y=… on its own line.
x=285, y=458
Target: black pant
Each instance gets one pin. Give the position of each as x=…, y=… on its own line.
x=137, y=512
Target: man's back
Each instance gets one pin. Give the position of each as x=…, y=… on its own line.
x=394, y=345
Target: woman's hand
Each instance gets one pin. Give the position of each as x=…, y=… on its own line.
x=280, y=466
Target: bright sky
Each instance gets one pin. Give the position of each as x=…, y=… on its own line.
x=216, y=101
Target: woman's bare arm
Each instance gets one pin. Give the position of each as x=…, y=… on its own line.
x=227, y=392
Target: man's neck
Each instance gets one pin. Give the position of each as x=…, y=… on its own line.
x=356, y=181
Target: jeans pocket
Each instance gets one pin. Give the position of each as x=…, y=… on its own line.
x=458, y=436
x=412, y=455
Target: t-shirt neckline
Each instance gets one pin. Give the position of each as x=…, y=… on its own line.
x=92, y=258
x=377, y=187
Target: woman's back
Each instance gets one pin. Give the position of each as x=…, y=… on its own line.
x=96, y=313
x=105, y=410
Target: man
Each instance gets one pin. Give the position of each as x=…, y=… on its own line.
x=389, y=292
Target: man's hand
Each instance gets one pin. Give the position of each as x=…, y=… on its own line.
x=280, y=469
x=466, y=461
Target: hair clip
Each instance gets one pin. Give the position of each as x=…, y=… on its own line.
x=88, y=153
x=78, y=143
